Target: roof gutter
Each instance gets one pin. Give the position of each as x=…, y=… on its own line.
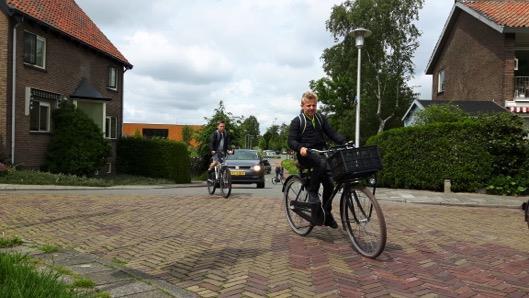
x=13, y=90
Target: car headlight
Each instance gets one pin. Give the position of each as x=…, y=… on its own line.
x=257, y=168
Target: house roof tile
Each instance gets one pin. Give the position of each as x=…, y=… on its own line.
x=509, y=13
x=68, y=18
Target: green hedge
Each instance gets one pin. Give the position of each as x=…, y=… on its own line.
x=421, y=157
x=470, y=152
x=158, y=158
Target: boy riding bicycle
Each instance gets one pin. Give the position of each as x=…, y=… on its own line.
x=307, y=130
x=218, y=145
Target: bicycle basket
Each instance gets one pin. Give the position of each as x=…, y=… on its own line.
x=354, y=163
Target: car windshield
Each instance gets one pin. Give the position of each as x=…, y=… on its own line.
x=243, y=155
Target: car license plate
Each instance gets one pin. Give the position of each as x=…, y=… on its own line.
x=237, y=173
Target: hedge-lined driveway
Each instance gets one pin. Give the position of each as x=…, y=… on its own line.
x=242, y=246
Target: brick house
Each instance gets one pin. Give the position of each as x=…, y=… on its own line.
x=483, y=54
x=50, y=51
x=172, y=132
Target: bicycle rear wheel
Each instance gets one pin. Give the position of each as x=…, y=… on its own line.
x=364, y=221
x=295, y=191
x=225, y=182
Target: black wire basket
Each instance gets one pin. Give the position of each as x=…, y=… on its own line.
x=354, y=163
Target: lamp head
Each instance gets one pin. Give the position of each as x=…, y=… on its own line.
x=360, y=34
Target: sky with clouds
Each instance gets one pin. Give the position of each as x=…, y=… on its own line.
x=257, y=56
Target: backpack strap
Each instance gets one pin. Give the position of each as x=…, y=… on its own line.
x=302, y=119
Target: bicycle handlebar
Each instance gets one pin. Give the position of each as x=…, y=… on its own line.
x=347, y=145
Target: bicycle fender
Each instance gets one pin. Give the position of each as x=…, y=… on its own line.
x=286, y=181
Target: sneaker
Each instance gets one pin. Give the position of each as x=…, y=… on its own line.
x=330, y=222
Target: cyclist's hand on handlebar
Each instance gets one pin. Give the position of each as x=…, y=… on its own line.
x=350, y=143
x=213, y=152
x=304, y=151
x=230, y=152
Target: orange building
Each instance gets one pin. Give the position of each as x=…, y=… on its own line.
x=168, y=131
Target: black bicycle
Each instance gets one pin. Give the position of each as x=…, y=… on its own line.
x=361, y=215
x=220, y=178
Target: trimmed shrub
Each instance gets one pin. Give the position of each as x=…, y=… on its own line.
x=469, y=152
x=77, y=145
x=506, y=142
x=443, y=113
x=158, y=158
x=507, y=185
x=421, y=157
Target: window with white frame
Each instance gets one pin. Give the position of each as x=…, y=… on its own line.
x=111, y=127
x=112, y=78
x=39, y=114
x=34, y=49
x=39, y=104
x=441, y=80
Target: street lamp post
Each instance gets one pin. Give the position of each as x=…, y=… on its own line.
x=359, y=34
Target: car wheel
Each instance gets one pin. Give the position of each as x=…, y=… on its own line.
x=261, y=184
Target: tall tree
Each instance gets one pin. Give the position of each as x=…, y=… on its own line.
x=249, y=130
x=386, y=64
x=187, y=134
x=275, y=137
x=232, y=127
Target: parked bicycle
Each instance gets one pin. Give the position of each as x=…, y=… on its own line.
x=221, y=178
x=361, y=215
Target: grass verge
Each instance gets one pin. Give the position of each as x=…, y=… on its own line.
x=19, y=278
x=10, y=242
x=44, y=178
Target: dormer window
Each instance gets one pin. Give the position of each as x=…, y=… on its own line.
x=441, y=81
x=34, y=50
x=112, y=78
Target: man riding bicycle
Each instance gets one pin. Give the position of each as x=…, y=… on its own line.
x=218, y=145
x=307, y=131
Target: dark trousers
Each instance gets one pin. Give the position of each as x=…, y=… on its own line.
x=320, y=174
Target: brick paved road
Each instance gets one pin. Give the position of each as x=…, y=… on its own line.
x=243, y=247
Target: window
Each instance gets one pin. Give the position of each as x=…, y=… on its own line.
x=441, y=81
x=34, y=50
x=38, y=107
x=39, y=116
x=112, y=78
x=152, y=132
x=111, y=127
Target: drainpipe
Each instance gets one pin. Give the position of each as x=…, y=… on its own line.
x=13, y=92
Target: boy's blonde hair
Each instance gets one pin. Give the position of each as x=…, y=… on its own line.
x=309, y=95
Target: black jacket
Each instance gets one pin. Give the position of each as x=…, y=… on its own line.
x=215, y=139
x=312, y=137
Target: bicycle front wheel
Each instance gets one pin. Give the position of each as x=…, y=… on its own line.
x=364, y=221
x=296, y=192
x=211, y=183
x=225, y=183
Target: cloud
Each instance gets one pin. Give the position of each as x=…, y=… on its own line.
x=162, y=58
x=257, y=56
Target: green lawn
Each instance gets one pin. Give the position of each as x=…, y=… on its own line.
x=44, y=178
